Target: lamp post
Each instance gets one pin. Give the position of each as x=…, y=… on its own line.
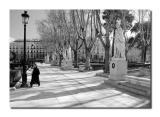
x=25, y=18
x=32, y=47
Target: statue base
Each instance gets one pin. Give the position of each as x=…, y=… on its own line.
x=67, y=65
x=118, y=68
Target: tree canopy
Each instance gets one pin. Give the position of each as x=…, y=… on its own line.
x=147, y=33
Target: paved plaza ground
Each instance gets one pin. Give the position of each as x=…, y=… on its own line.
x=73, y=89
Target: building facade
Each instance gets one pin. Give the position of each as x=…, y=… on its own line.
x=34, y=50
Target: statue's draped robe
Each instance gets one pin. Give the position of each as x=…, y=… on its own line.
x=119, y=44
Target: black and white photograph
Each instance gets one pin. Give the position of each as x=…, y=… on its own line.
x=80, y=59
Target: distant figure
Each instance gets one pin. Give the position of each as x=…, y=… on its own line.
x=35, y=76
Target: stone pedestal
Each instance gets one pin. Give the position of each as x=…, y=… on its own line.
x=67, y=64
x=118, y=68
x=67, y=59
x=47, y=59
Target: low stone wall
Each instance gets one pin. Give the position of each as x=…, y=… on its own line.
x=137, y=85
x=67, y=68
x=102, y=74
x=138, y=81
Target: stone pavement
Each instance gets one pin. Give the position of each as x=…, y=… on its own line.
x=73, y=89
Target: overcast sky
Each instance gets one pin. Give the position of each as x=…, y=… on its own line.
x=17, y=28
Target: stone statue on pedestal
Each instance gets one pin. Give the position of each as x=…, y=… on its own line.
x=118, y=63
x=67, y=59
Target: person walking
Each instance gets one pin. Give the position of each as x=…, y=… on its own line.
x=35, y=76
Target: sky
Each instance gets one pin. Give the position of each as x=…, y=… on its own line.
x=17, y=28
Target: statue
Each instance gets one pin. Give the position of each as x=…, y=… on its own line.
x=67, y=61
x=119, y=42
x=118, y=64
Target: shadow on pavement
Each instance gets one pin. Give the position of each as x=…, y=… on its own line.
x=47, y=94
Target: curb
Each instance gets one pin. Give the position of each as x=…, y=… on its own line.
x=133, y=88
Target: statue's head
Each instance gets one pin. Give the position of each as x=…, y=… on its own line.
x=118, y=23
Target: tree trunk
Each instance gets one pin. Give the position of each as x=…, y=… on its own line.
x=106, y=61
x=114, y=33
x=60, y=60
x=75, y=59
x=144, y=51
x=88, y=59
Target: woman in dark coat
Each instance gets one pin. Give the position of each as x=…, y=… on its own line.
x=35, y=76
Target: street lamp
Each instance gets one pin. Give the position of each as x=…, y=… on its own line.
x=25, y=18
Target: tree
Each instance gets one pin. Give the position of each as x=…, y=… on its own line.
x=143, y=30
x=53, y=33
x=110, y=17
x=73, y=40
x=84, y=25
